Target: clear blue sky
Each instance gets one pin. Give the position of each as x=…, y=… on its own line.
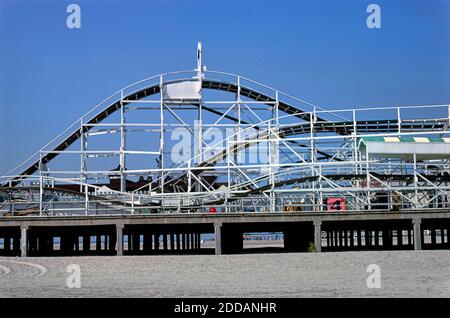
x=321, y=51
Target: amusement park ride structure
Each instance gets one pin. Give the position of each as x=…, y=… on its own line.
x=205, y=141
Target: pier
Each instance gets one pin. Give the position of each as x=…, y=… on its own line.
x=181, y=234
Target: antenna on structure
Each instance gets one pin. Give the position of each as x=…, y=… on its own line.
x=200, y=67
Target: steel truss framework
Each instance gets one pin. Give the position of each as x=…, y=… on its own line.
x=272, y=152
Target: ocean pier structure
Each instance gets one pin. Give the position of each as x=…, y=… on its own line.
x=170, y=158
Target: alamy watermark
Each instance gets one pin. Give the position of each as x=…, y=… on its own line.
x=374, y=279
x=74, y=279
x=73, y=20
x=202, y=144
x=374, y=19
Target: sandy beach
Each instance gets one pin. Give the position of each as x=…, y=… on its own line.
x=402, y=274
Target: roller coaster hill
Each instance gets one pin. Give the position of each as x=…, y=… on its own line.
x=275, y=154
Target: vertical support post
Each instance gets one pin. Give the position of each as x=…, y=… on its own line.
x=377, y=237
x=218, y=238
x=274, y=154
x=86, y=199
x=41, y=185
x=368, y=180
x=122, y=152
x=23, y=241
x=83, y=156
x=98, y=243
x=416, y=179
x=147, y=244
x=433, y=237
x=172, y=242
x=7, y=243
x=161, y=137
x=198, y=130
x=189, y=182
x=318, y=235
x=320, y=190
x=157, y=242
x=136, y=241
x=130, y=242
x=165, y=242
x=237, y=158
x=178, y=236
x=227, y=208
x=86, y=244
x=355, y=145
x=119, y=239
x=313, y=155
x=417, y=234
x=385, y=237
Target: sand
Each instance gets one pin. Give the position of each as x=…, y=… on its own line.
x=402, y=274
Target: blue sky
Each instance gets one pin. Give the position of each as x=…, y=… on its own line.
x=321, y=51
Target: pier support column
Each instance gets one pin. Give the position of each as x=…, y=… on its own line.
x=218, y=237
x=369, y=238
x=136, y=242
x=433, y=238
x=377, y=238
x=98, y=243
x=147, y=242
x=352, y=238
x=111, y=242
x=16, y=244
x=443, y=236
x=165, y=242
x=318, y=235
x=119, y=240
x=23, y=241
x=129, y=243
x=157, y=242
x=172, y=241
x=417, y=234
x=400, y=237
x=7, y=243
x=194, y=240
x=178, y=236
x=387, y=238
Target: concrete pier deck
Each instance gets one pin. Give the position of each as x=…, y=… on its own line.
x=181, y=233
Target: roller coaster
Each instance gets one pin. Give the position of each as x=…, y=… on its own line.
x=201, y=141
